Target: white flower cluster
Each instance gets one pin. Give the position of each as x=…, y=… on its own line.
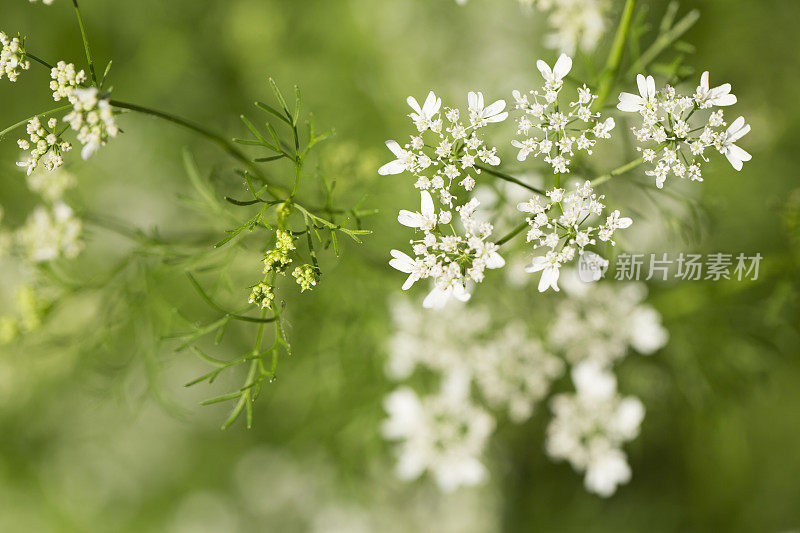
x=559, y=223
x=590, y=426
x=445, y=433
x=51, y=185
x=515, y=371
x=45, y=2
x=65, y=79
x=510, y=371
x=452, y=152
x=560, y=130
x=93, y=118
x=44, y=143
x=51, y=233
x=600, y=322
x=12, y=57
x=446, y=149
x=444, y=255
x=576, y=24
x=684, y=127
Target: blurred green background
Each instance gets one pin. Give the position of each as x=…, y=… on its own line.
x=102, y=436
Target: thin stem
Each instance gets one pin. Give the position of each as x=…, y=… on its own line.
x=615, y=56
x=223, y=143
x=664, y=40
x=85, y=38
x=511, y=234
x=23, y=122
x=511, y=179
x=617, y=171
x=39, y=60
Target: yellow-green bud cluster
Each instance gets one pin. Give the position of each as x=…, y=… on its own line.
x=262, y=295
x=278, y=258
x=305, y=276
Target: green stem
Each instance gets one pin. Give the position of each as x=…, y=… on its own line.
x=511, y=234
x=246, y=393
x=85, y=38
x=219, y=140
x=617, y=171
x=23, y=122
x=511, y=179
x=39, y=60
x=663, y=41
x=615, y=56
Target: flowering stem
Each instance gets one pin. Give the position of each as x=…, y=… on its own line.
x=511, y=234
x=617, y=171
x=511, y=179
x=85, y=42
x=23, y=122
x=223, y=143
x=39, y=60
x=615, y=56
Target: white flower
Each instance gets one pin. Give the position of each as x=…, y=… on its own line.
x=564, y=224
x=423, y=116
x=545, y=120
x=633, y=103
x=65, y=79
x=484, y=115
x=45, y=146
x=602, y=322
x=549, y=265
x=683, y=134
x=12, y=58
x=554, y=77
x=726, y=146
x=93, y=118
x=51, y=185
x=575, y=23
x=444, y=434
x=404, y=161
x=718, y=96
x=590, y=426
x=425, y=219
x=404, y=263
x=50, y=233
x=591, y=267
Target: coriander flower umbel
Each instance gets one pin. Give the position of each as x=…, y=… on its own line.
x=576, y=24
x=65, y=79
x=450, y=258
x=444, y=434
x=590, y=426
x=553, y=131
x=601, y=322
x=12, y=57
x=511, y=369
x=559, y=223
x=446, y=150
x=93, y=118
x=682, y=127
x=50, y=233
x=45, y=143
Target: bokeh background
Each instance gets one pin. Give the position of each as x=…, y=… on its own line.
x=97, y=432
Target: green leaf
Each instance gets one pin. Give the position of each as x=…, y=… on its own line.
x=280, y=99
x=271, y=110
